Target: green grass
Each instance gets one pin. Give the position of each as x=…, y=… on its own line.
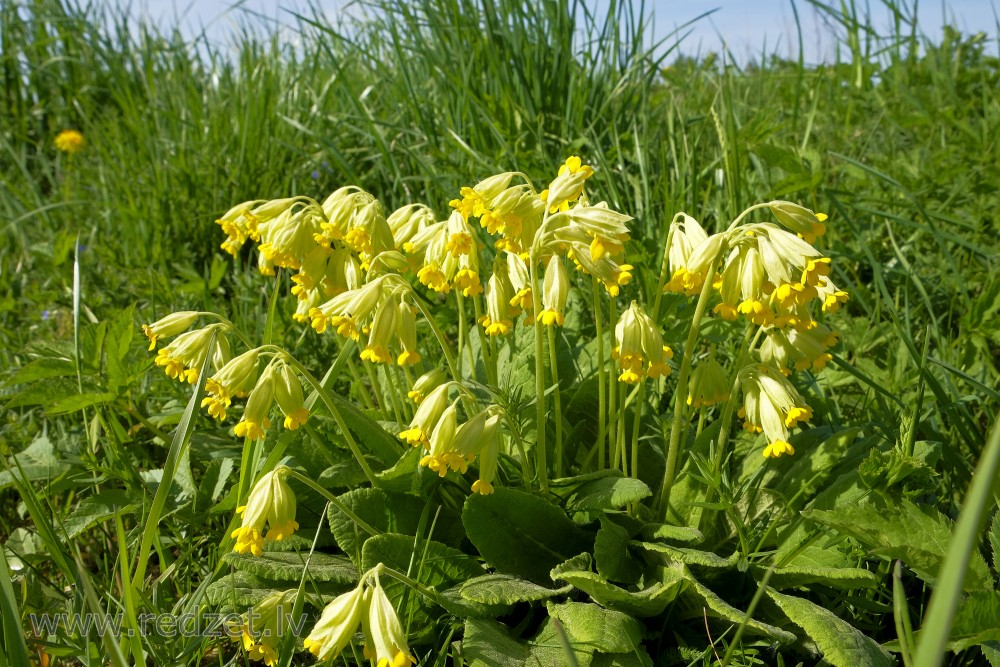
x=897, y=142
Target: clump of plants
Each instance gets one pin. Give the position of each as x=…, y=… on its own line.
x=505, y=376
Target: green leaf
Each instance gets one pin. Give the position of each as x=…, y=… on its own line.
x=841, y=643
x=691, y=556
x=78, y=402
x=650, y=601
x=613, y=556
x=835, y=577
x=100, y=507
x=388, y=513
x=977, y=621
x=596, y=491
x=521, y=534
x=507, y=589
x=370, y=435
x=918, y=536
x=605, y=630
x=40, y=369
x=702, y=600
x=38, y=462
x=288, y=566
x=995, y=541
x=663, y=531
x=489, y=644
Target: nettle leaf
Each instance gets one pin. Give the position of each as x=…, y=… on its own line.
x=995, y=541
x=650, y=601
x=918, y=536
x=600, y=491
x=977, y=621
x=702, y=600
x=388, y=513
x=522, y=534
x=605, y=630
x=613, y=556
x=100, y=507
x=288, y=566
x=489, y=644
x=835, y=577
x=38, y=461
x=841, y=643
x=507, y=589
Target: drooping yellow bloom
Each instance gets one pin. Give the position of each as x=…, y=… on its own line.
x=772, y=405
x=232, y=380
x=261, y=629
x=381, y=331
x=709, y=384
x=183, y=358
x=288, y=394
x=498, y=319
x=337, y=624
x=425, y=384
x=385, y=641
x=555, y=290
x=686, y=234
x=798, y=349
x=426, y=417
x=808, y=225
x=406, y=329
x=70, y=141
x=440, y=441
x=476, y=201
x=349, y=311
x=689, y=278
x=567, y=185
x=639, y=347
x=256, y=420
x=168, y=326
x=271, y=501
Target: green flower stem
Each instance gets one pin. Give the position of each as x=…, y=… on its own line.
x=664, y=268
x=383, y=405
x=557, y=400
x=327, y=400
x=612, y=392
x=680, y=395
x=486, y=346
x=620, y=457
x=745, y=213
x=448, y=354
x=540, y=454
x=462, y=331
x=366, y=399
x=390, y=380
x=333, y=500
x=601, y=406
x=637, y=410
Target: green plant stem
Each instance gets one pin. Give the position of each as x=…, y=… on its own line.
x=442, y=341
x=540, y=453
x=556, y=400
x=390, y=380
x=680, y=395
x=327, y=400
x=462, y=332
x=526, y=471
x=664, y=268
x=359, y=383
x=485, y=346
x=612, y=391
x=601, y=404
x=377, y=389
x=637, y=417
x=335, y=501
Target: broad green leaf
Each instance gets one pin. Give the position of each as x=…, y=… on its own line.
x=835, y=577
x=370, y=436
x=610, y=491
x=388, y=513
x=917, y=536
x=40, y=369
x=38, y=462
x=238, y=591
x=604, y=630
x=100, y=507
x=663, y=531
x=841, y=643
x=78, y=402
x=650, y=601
x=613, y=556
x=991, y=651
x=691, y=556
x=977, y=621
x=489, y=644
x=702, y=600
x=638, y=658
x=507, y=589
x=288, y=566
x=521, y=534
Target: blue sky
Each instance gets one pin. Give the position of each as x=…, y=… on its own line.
x=745, y=26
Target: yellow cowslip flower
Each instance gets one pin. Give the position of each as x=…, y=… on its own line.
x=339, y=208
x=555, y=290
x=639, y=347
x=337, y=624
x=260, y=629
x=426, y=417
x=406, y=330
x=520, y=280
x=368, y=232
x=519, y=224
x=690, y=277
x=488, y=451
x=232, y=380
x=311, y=271
x=288, y=238
x=467, y=277
x=457, y=450
x=256, y=421
x=439, y=443
x=237, y=224
x=288, y=395
x=773, y=405
x=798, y=349
x=686, y=234
x=382, y=328
x=709, y=384
x=476, y=200
x=498, y=319
x=567, y=185
x=612, y=275
x=742, y=281
x=406, y=222
x=70, y=141
x=603, y=230
x=799, y=219
x=425, y=383
x=385, y=641
x=271, y=501
x=784, y=255
x=168, y=326
x=183, y=358
x=831, y=297
x=349, y=311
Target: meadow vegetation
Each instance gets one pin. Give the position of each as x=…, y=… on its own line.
x=579, y=543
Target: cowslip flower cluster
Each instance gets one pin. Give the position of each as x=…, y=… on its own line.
x=272, y=502
x=260, y=629
x=773, y=406
x=369, y=607
x=639, y=347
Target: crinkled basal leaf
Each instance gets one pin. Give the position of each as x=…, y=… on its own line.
x=521, y=534
x=241, y=590
x=489, y=644
x=917, y=536
x=650, y=601
x=991, y=651
x=691, y=556
x=977, y=621
x=37, y=462
x=507, y=589
x=606, y=489
x=604, y=630
x=613, y=556
x=288, y=566
x=835, y=577
x=100, y=507
x=663, y=531
x=389, y=513
x=703, y=600
x=841, y=643
x=451, y=601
